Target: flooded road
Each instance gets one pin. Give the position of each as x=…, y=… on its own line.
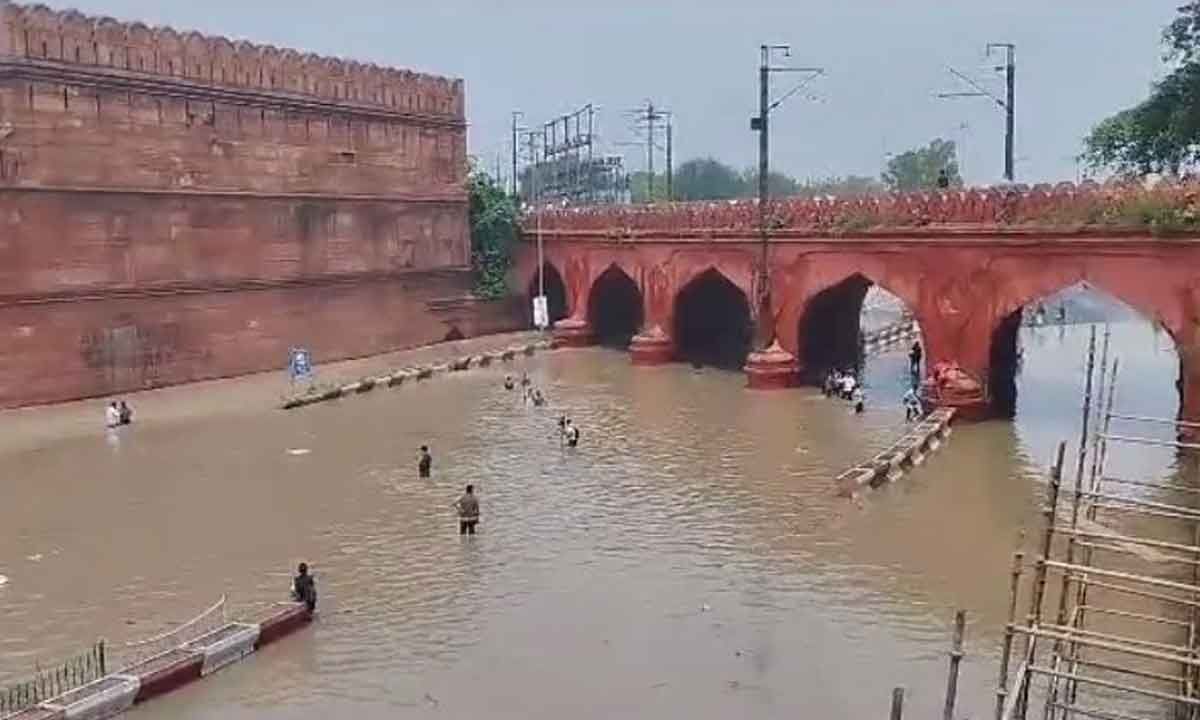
x=689, y=559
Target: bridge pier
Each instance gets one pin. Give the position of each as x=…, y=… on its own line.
x=652, y=346
x=1188, y=385
x=573, y=332
x=771, y=369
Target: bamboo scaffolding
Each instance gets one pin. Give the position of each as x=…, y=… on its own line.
x=1078, y=645
x=1151, y=441
x=1158, y=421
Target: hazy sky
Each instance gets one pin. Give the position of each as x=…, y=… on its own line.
x=1077, y=61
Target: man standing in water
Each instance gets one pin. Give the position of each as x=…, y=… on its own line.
x=112, y=415
x=468, y=511
x=914, y=358
x=304, y=588
x=424, y=462
x=570, y=433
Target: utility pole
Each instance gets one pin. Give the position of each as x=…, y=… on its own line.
x=670, y=165
x=1010, y=81
x=760, y=124
x=537, y=213
x=646, y=119
x=764, y=162
x=516, y=187
x=1006, y=103
x=650, y=152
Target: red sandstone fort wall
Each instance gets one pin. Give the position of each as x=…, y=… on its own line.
x=176, y=207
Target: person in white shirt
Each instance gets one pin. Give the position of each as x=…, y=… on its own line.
x=112, y=416
x=848, y=385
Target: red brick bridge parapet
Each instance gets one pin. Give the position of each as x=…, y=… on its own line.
x=964, y=262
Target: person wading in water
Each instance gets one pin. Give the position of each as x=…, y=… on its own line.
x=424, y=462
x=468, y=511
x=914, y=358
x=304, y=588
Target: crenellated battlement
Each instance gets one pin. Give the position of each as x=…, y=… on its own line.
x=38, y=33
x=1168, y=206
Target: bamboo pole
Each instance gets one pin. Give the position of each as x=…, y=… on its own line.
x=897, y=704
x=1064, y=634
x=1135, y=616
x=1160, y=677
x=1034, y=616
x=1006, y=652
x=1068, y=568
x=1129, y=539
x=1148, y=504
x=1160, y=421
x=1173, y=487
x=1080, y=463
x=1114, y=685
x=1150, y=441
x=956, y=655
x=1097, y=714
x=1189, y=675
x=1125, y=590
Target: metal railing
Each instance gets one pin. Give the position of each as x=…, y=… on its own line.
x=54, y=679
x=139, y=651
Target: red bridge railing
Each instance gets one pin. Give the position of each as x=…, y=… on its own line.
x=1165, y=207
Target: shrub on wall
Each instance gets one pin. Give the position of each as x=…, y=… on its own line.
x=493, y=234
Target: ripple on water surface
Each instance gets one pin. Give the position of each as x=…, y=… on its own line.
x=689, y=558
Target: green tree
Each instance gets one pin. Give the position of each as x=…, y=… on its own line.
x=707, y=179
x=918, y=169
x=493, y=218
x=778, y=184
x=639, y=187
x=1162, y=133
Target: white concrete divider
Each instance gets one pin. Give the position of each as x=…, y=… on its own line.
x=113, y=694
x=423, y=372
x=104, y=698
x=225, y=646
x=911, y=450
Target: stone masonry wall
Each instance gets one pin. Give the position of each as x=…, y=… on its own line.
x=176, y=207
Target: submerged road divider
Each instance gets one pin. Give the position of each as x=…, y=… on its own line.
x=882, y=339
x=148, y=678
x=317, y=394
x=906, y=453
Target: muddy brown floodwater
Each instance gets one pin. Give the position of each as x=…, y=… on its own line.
x=689, y=559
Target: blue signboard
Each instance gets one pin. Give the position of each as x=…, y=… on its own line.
x=300, y=363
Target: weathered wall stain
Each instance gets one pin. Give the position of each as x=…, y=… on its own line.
x=176, y=207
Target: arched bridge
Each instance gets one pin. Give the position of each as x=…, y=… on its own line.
x=681, y=279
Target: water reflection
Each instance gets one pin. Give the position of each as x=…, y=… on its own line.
x=690, y=558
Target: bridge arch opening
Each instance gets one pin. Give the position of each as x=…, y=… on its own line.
x=1038, y=352
x=712, y=322
x=615, y=310
x=556, y=294
x=844, y=323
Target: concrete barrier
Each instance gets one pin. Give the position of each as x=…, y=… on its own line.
x=107, y=697
x=910, y=451
x=425, y=372
x=166, y=672
x=225, y=646
x=115, y=693
x=283, y=620
x=39, y=712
